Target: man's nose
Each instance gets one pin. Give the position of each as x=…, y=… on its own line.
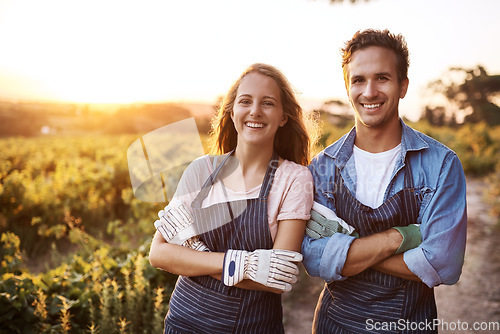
x=370, y=89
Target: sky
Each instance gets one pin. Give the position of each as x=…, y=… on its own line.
x=119, y=51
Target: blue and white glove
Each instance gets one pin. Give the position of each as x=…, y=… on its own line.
x=274, y=268
x=176, y=225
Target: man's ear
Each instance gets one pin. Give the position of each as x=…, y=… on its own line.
x=403, y=88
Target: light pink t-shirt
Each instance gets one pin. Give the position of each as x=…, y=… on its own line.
x=290, y=197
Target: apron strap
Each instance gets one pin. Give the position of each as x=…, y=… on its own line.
x=208, y=183
x=266, y=183
x=408, y=175
x=269, y=177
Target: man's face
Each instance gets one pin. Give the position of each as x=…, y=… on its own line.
x=373, y=87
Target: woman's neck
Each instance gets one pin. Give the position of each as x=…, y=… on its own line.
x=251, y=168
x=253, y=158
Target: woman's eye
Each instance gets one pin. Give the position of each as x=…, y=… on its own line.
x=268, y=103
x=245, y=101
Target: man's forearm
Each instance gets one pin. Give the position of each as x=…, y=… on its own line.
x=368, y=251
x=396, y=266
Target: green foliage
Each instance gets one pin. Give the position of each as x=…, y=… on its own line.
x=43, y=181
x=332, y=132
x=69, y=200
x=10, y=254
x=470, y=91
x=493, y=193
x=477, y=145
x=99, y=293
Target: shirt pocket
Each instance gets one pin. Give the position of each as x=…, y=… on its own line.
x=423, y=196
x=330, y=197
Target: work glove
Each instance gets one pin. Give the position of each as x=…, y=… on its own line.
x=325, y=223
x=176, y=225
x=274, y=268
x=411, y=237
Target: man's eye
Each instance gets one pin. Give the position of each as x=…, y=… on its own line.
x=383, y=78
x=355, y=81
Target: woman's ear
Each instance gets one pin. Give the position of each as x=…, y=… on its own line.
x=284, y=120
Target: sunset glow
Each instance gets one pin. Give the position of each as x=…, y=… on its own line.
x=139, y=51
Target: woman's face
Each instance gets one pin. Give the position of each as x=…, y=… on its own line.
x=257, y=112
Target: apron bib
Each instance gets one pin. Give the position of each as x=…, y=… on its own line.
x=204, y=304
x=371, y=297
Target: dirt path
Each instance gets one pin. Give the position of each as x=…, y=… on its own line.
x=475, y=298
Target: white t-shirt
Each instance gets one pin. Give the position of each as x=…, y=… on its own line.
x=290, y=197
x=373, y=174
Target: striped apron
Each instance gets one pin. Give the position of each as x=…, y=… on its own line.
x=203, y=304
x=372, y=299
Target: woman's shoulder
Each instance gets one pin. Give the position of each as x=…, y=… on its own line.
x=293, y=169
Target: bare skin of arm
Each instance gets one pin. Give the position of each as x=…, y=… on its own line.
x=182, y=260
x=368, y=251
x=396, y=266
x=377, y=251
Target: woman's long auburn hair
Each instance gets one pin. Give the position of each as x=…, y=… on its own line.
x=291, y=141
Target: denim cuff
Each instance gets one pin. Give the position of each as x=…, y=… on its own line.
x=334, y=256
x=417, y=263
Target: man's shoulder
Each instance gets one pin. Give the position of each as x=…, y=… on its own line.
x=430, y=151
x=429, y=144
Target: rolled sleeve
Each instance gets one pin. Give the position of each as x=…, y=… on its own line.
x=326, y=257
x=417, y=263
x=440, y=256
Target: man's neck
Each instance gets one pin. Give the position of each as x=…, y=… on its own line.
x=376, y=140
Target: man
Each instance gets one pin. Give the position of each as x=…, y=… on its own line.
x=380, y=175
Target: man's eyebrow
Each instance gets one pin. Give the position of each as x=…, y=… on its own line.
x=356, y=76
x=385, y=74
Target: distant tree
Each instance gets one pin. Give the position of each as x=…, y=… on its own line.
x=471, y=91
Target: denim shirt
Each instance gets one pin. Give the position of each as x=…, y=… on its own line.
x=439, y=181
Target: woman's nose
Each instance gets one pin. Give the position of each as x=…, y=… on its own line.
x=256, y=110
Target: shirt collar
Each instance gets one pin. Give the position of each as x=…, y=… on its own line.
x=410, y=141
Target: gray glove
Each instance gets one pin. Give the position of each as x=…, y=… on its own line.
x=320, y=227
x=274, y=268
x=411, y=237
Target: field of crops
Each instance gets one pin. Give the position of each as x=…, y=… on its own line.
x=74, y=238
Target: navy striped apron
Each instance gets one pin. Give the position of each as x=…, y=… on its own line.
x=372, y=299
x=204, y=304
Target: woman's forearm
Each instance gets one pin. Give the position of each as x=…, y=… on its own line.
x=184, y=261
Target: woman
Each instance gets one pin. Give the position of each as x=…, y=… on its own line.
x=248, y=208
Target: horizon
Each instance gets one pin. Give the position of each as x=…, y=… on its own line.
x=90, y=52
